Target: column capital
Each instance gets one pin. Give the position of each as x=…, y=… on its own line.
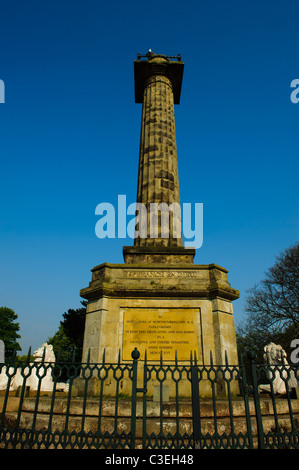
x=157, y=64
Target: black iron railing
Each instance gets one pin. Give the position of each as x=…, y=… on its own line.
x=149, y=405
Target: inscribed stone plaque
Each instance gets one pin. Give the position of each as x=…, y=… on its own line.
x=156, y=330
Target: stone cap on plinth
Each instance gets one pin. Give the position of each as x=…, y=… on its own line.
x=160, y=280
x=158, y=254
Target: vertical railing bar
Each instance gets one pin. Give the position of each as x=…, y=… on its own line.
x=191, y=364
x=177, y=399
x=144, y=401
x=116, y=402
x=51, y=412
x=161, y=402
x=232, y=427
x=40, y=378
x=23, y=388
x=135, y=356
x=246, y=402
x=68, y=406
x=289, y=396
x=195, y=405
x=84, y=400
x=177, y=411
x=102, y=379
x=16, y=433
x=296, y=432
x=257, y=405
x=277, y=433
x=100, y=404
x=214, y=400
x=9, y=377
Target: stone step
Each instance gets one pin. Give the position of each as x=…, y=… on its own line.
x=169, y=409
x=156, y=422
x=153, y=426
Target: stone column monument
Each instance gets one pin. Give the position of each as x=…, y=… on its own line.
x=159, y=300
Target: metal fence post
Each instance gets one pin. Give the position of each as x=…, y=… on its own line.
x=135, y=356
x=195, y=403
x=259, y=422
x=245, y=391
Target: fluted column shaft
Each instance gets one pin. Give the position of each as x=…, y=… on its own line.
x=158, y=180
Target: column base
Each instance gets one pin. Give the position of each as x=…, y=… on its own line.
x=158, y=254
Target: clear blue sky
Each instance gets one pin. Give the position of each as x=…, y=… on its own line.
x=69, y=138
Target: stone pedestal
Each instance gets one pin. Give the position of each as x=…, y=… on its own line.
x=160, y=307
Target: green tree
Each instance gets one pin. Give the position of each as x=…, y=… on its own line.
x=272, y=306
x=73, y=325
x=62, y=345
x=9, y=330
x=69, y=336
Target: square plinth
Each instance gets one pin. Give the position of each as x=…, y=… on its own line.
x=153, y=307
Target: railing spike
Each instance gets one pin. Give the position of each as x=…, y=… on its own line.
x=226, y=358
x=57, y=358
x=29, y=354
x=44, y=355
x=73, y=355
x=241, y=358
x=14, y=353
x=211, y=358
